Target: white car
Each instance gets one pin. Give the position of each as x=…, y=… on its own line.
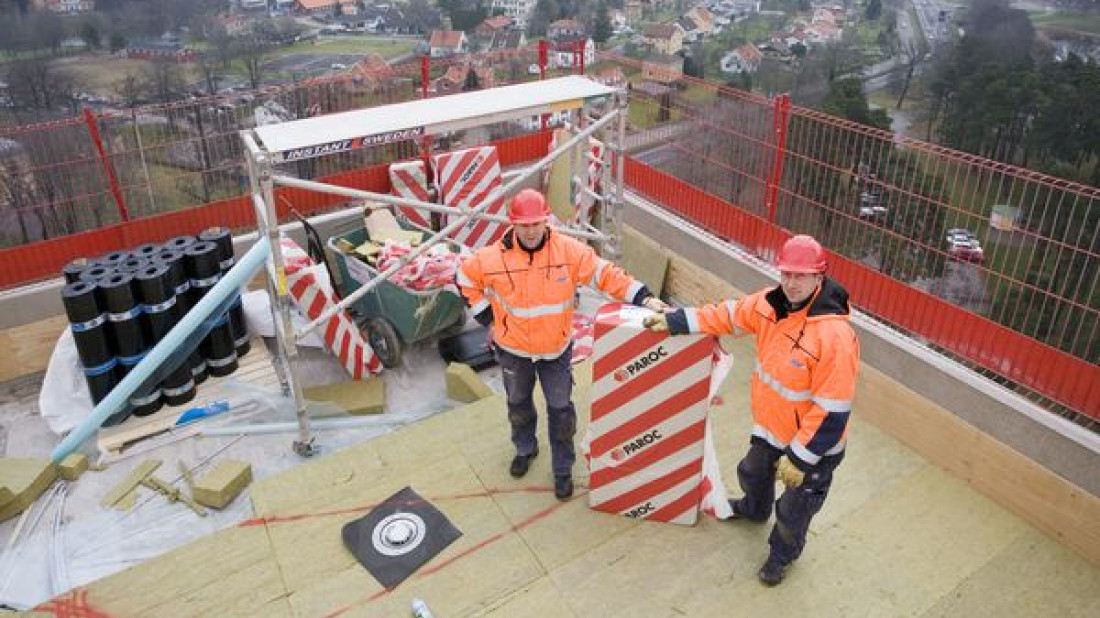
x=964, y=245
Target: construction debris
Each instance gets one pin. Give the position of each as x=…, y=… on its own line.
x=136, y=476
x=73, y=466
x=464, y=385
x=25, y=478
x=356, y=397
x=173, y=494
x=222, y=484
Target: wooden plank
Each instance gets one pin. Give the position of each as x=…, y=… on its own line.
x=131, y=481
x=27, y=348
x=1044, y=499
x=255, y=368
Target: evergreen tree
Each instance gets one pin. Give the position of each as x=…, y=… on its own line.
x=601, y=30
x=472, y=82
x=874, y=10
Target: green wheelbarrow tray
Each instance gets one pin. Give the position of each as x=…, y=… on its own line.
x=392, y=316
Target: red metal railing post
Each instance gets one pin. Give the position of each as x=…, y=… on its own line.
x=425, y=73
x=780, y=125
x=426, y=141
x=542, y=58
x=116, y=190
x=542, y=73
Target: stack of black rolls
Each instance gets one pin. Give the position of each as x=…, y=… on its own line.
x=122, y=303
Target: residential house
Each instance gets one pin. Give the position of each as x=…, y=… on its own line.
x=492, y=25
x=565, y=50
x=252, y=5
x=744, y=59
x=519, y=10
x=349, y=7
x=667, y=39
x=151, y=50
x=611, y=77
x=371, y=72
x=833, y=16
x=508, y=43
x=662, y=68
x=232, y=23
x=704, y=19
x=690, y=28
x=565, y=28
x=823, y=33
x=403, y=19
x=618, y=19
x=316, y=7
x=633, y=10
x=447, y=43
x=455, y=78
x=69, y=7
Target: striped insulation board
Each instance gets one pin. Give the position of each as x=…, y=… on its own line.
x=650, y=397
x=465, y=178
x=312, y=297
x=409, y=179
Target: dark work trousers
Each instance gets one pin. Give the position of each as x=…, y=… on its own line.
x=794, y=509
x=556, y=378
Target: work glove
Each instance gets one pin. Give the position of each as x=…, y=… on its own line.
x=789, y=473
x=655, y=304
x=656, y=323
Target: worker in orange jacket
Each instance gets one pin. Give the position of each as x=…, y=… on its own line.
x=525, y=285
x=801, y=392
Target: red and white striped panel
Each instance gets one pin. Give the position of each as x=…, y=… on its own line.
x=410, y=179
x=465, y=178
x=313, y=298
x=593, y=169
x=650, y=397
x=582, y=336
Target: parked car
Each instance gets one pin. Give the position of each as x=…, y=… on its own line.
x=963, y=245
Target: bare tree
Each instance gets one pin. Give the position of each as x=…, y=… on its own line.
x=164, y=79
x=130, y=90
x=36, y=84
x=253, y=52
x=16, y=196
x=912, y=59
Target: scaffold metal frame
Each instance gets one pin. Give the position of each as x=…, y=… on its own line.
x=594, y=107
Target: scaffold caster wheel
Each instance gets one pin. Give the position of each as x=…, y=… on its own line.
x=305, y=449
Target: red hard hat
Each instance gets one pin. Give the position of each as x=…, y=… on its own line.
x=802, y=254
x=528, y=206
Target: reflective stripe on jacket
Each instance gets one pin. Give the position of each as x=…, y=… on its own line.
x=806, y=366
x=532, y=293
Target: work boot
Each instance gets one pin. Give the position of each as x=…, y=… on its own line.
x=773, y=572
x=521, y=464
x=563, y=487
x=738, y=515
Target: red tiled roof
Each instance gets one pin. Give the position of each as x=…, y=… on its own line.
x=446, y=38
x=660, y=31
x=309, y=5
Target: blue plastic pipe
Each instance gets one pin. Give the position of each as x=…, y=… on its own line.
x=114, y=402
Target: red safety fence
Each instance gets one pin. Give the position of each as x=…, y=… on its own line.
x=45, y=259
x=993, y=264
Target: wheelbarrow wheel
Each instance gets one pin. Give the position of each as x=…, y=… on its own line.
x=386, y=342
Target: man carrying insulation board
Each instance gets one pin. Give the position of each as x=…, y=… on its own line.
x=802, y=387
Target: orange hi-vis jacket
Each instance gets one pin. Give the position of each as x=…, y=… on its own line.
x=529, y=295
x=806, y=366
